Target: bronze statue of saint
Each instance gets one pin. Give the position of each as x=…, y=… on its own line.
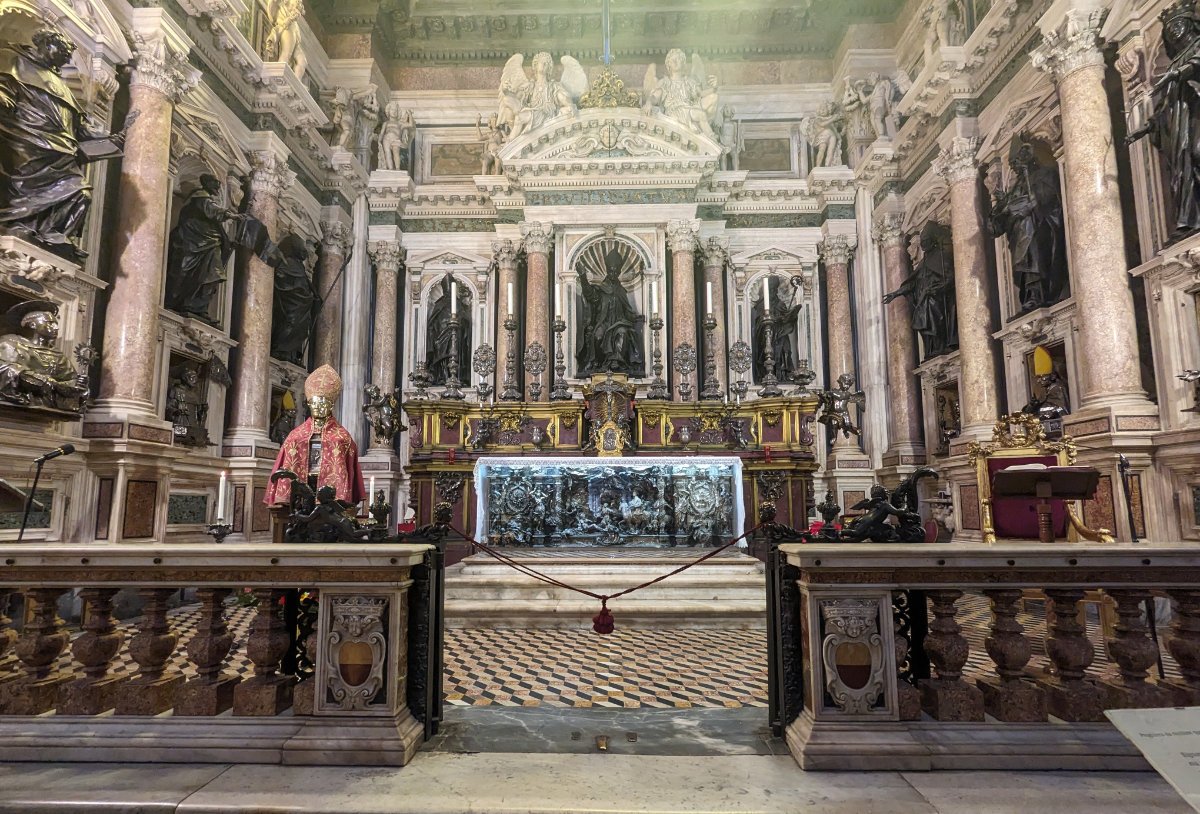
x=33, y=372
x=437, y=341
x=786, y=303
x=295, y=303
x=199, y=251
x=187, y=408
x=610, y=333
x=929, y=288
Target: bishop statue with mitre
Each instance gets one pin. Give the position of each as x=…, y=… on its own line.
x=320, y=451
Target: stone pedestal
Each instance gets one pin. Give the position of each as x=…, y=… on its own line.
x=206, y=699
x=948, y=700
x=1016, y=701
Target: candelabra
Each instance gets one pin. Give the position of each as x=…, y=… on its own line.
x=380, y=508
x=559, y=392
x=770, y=385
x=219, y=531
x=802, y=377
x=453, y=389
x=535, y=364
x=484, y=364
x=658, y=387
x=740, y=360
x=420, y=379
x=511, y=391
x=685, y=362
x=712, y=388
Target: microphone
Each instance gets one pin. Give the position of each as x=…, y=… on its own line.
x=65, y=449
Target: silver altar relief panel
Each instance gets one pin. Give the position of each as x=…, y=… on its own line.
x=354, y=671
x=853, y=656
x=584, y=502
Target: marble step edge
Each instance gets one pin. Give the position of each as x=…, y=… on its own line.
x=693, y=575
x=708, y=566
x=605, y=586
x=590, y=608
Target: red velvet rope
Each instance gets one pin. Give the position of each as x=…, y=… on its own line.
x=602, y=622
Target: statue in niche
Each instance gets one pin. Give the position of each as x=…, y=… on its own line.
x=824, y=132
x=688, y=98
x=285, y=422
x=295, y=303
x=437, y=341
x=526, y=102
x=1030, y=214
x=187, y=407
x=45, y=143
x=610, y=328
x=283, y=43
x=945, y=26
x=492, y=139
x=1052, y=401
x=1173, y=124
x=929, y=288
x=198, y=252
x=786, y=302
x=396, y=137
x=34, y=373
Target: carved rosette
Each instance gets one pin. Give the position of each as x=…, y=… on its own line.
x=837, y=250
x=536, y=237
x=1075, y=45
x=889, y=232
x=386, y=255
x=682, y=234
x=336, y=238
x=355, y=663
x=269, y=174
x=505, y=252
x=852, y=654
x=163, y=68
x=959, y=163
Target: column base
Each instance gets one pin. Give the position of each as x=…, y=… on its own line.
x=206, y=699
x=1139, y=696
x=1014, y=701
x=1076, y=701
x=148, y=696
x=947, y=700
x=908, y=700
x=27, y=697
x=263, y=695
x=89, y=697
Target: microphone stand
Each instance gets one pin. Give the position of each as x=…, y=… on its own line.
x=29, y=499
x=1151, y=622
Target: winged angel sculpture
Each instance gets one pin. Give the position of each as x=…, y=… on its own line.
x=527, y=102
x=688, y=98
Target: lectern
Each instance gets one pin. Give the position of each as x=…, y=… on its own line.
x=1046, y=483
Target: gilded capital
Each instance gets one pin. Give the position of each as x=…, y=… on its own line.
x=270, y=174
x=959, y=163
x=387, y=255
x=162, y=67
x=888, y=231
x=536, y=237
x=505, y=252
x=681, y=235
x=336, y=237
x=837, y=250
x=1074, y=45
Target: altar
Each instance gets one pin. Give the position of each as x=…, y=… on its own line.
x=646, y=502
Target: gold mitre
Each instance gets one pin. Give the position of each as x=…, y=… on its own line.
x=324, y=382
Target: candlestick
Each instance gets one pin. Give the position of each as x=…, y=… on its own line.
x=221, y=500
x=511, y=391
x=770, y=385
x=371, y=491
x=658, y=387
x=510, y=299
x=654, y=298
x=712, y=388
x=453, y=389
x=558, y=299
x=453, y=298
x=559, y=392
x=766, y=295
x=708, y=301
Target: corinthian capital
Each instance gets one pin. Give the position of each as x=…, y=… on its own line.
x=681, y=235
x=837, y=250
x=1073, y=45
x=387, y=255
x=537, y=237
x=959, y=163
x=505, y=252
x=716, y=250
x=336, y=237
x=159, y=65
x=270, y=174
x=888, y=231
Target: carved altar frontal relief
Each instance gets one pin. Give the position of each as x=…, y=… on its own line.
x=585, y=502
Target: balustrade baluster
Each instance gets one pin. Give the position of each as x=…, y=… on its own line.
x=1184, y=645
x=1135, y=653
x=1012, y=697
x=1068, y=694
x=152, y=690
x=41, y=643
x=266, y=692
x=95, y=649
x=908, y=699
x=948, y=697
x=211, y=691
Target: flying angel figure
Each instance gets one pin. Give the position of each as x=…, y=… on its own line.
x=688, y=98
x=528, y=102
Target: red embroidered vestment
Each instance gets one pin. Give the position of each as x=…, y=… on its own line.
x=339, y=463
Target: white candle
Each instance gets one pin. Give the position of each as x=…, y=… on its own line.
x=453, y=298
x=558, y=300
x=371, y=492
x=766, y=295
x=654, y=298
x=510, y=299
x=221, y=500
x=708, y=292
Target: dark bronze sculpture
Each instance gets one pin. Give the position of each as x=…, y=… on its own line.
x=835, y=407
x=901, y=503
x=438, y=342
x=783, y=330
x=1052, y=403
x=610, y=333
x=929, y=288
x=1173, y=125
x=382, y=410
x=296, y=301
x=199, y=251
x=45, y=143
x=33, y=372
x=187, y=408
x=1030, y=214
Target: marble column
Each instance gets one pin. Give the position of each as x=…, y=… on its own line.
x=977, y=380
x=161, y=77
x=904, y=392
x=716, y=256
x=1107, y=350
x=356, y=324
x=269, y=177
x=681, y=238
x=836, y=252
x=538, y=302
x=327, y=334
x=387, y=257
x=505, y=252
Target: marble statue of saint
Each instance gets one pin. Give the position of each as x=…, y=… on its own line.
x=1175, y=121
x=1030, y=214
x=526, y=102
x=610, y=333
x=33, y=372
x=689, y=98
x=45, y=143
x=295, y=303
x=492, y=139
x=879, y=98
x=198, y=252
x=396, y=137
x=187, y=408
x=945, y=25
x=929, y=288
x=283, y=43
x=732, y=142
x=824, y=132
x=786, y=302
x=437, y=341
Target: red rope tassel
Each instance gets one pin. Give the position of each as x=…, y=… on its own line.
x=602, y=622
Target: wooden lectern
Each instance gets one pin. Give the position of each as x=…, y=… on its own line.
x=1046, y=483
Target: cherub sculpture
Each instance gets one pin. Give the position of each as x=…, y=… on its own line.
x=824, y=134
x=835, y=406
x=492, y=139
x=688, y=98
x=395, y=137
x=527, y=102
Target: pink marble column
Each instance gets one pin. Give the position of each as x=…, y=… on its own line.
x=904, y=392
x=836, y=251
x=505, y=252
x=977, y=382
x=252, y=383
x=1108, y=349
x=716, y=256
x=144, y=203
x=327, y=334
x=681, y=237
x=537, y=295
x=387, y=258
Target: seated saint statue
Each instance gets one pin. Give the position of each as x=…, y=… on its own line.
x=33, y=372
x=610, y=337
x=320, y=451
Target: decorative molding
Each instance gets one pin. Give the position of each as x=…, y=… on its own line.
x=853, y=623
x=505, y=252
x=163, y=67
x=715, y=250
x=336, y=237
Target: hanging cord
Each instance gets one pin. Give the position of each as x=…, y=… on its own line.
x=603, y=621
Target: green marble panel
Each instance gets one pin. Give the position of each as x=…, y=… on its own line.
x=185, y=510
x=37, y=520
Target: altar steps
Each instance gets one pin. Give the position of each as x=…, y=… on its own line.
x=724, y=592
